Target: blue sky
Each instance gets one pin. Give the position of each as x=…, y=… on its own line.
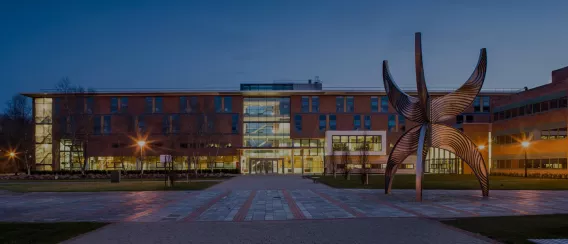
x=219, y=44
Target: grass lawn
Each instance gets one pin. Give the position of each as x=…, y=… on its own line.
x=450, y=182
x=97, y=186
x=515, y=229
x=44, y=232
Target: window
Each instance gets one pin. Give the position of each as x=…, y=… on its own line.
x=149, y=107
x=486, y=104
x=183, y=105
x=235, y=124
x=392, y=122
x=544, y=106
x=141, y=125
x=166, y=124
x=90, y=105
x=563, y=103
x=97, y=125
x=124, y=104
x=355, y=143
x=339, y=104
x=218, y=104
x=469, y=118
x=193, y=104
x=374, y=104
x=350, y=105
x=367, y=122
x=106, y=124
x=223, y=104
x=514, y=112
x=332, y=122
x=158, y=105
x=298, y=122
x=552, y=134
x=528, y=109
x=459, y=119
x=175, y=123
x=322, y=122
x=113, y=104
x=401, y=123
x=477, y=104
x=228, y=104
x=384, y=104
x=536, y=108
x=356, y=122
x=315, y=104
x=522, y=111
x=305, y=104
x=495, y=116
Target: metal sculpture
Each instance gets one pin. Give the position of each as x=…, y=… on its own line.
x=428, y=112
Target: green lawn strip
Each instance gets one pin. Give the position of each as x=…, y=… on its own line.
x=106, y=186
x=448, y=182
x=515, y=229
x=44, y=232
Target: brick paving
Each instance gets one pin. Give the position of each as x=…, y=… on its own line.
x=300, y=200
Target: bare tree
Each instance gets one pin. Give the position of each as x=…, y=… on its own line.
x=364, y=160
x=77, y=106
x=335, y=149
x=18, y=128
x=346, y=160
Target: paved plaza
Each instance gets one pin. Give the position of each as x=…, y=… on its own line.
x=272, y=198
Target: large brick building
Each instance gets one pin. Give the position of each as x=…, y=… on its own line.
x=285, y=128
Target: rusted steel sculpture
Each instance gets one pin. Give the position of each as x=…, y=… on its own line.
x=429, y=112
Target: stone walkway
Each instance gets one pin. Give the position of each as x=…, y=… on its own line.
x=271, y=198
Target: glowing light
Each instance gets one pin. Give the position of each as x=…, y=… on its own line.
x=141, y=143
x=525, y=144
x=12, y=154
x=481, y=147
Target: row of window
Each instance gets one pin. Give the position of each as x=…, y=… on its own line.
x=482, y=104
x=531, y=109
x=170, y=124
x=343, y=104
x=151, y=105
x=376, y=166
x=510, y=139
x=323, y=123
x=357, y=143
x=553, y=134
x=547, y=163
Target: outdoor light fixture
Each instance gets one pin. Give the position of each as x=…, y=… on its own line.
x=141, y=143
x=525, y=144
x=12, y=154
x=481, y=147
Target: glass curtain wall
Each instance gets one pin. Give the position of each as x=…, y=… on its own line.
x=266, y=122
x=43, y=118
x=441, y=161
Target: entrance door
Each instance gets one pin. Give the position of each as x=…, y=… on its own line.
x=263, y=166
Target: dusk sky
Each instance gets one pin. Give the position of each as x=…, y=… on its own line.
x=219, y=44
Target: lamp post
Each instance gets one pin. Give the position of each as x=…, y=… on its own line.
x=525, y=145
x=141, y=143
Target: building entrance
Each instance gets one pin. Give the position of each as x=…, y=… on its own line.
x=265, y=165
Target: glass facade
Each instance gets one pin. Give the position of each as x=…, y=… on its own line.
x=356, y=143
x=43, y=118
x=266, y=122
x=441, y=161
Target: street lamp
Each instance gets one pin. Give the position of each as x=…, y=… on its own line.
x=12, y=155
x=525, y=145
x=141, y=143
x=481, y=147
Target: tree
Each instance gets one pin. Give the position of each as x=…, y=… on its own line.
x=77, y=106
x=335, y=148
x=364, y=160
x=346, y=160
x=18, y=127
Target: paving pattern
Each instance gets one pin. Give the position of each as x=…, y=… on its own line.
x=311, y=201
